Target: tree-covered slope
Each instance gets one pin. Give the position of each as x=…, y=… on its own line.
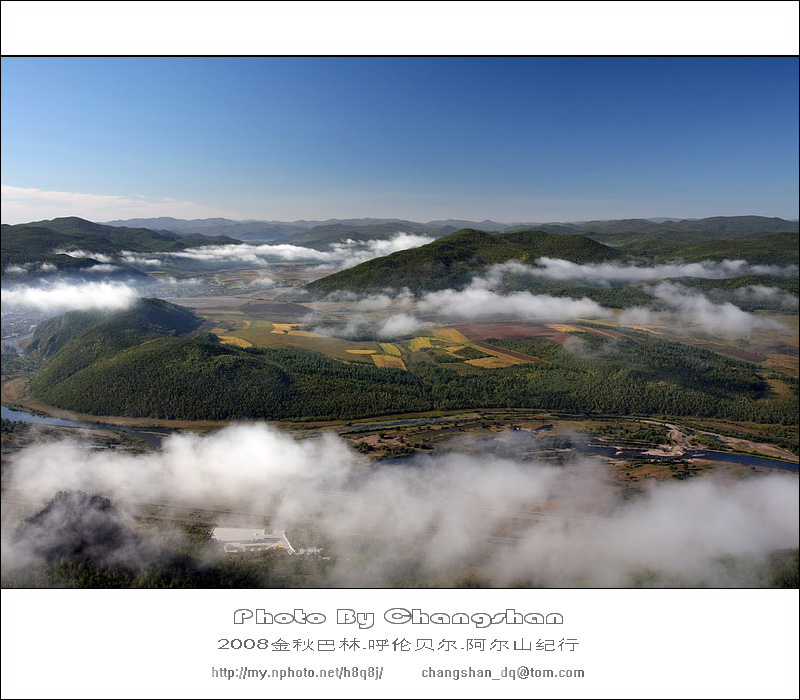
x=136, y=364
x=39, y=241
x=452, y=261
x=78, y=339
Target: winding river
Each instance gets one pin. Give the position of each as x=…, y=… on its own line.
x=156, y=436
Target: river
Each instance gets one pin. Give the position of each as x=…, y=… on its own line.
x=152, y=437
x=730, y=457
x=156, y=436
x=11, y=341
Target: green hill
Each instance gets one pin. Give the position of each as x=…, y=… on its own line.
x=76, y=340
x=135, y=363
x=37, y=242
x=772, y=249
x=645, y=233
x=452, y=261
x=138, y=364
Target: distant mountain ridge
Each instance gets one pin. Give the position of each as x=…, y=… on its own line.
x=72, y=232
x=48, y=242
x=612, y=231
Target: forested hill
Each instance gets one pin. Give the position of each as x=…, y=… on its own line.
x=771, y=249
x=452, y=261
x=78, y=339
x=142, y=363
x=39, y=241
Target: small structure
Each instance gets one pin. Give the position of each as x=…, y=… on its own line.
x=236, y=540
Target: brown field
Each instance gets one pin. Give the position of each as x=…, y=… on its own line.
x=363, y=352
x=275, y=311
x=503, y=352
x=209, y=303
x=388, y=361
x=510, y=331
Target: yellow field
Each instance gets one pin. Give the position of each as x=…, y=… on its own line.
x=284, y=328
x=419, y=343
x=494, y=361
x=388, y=361
x=451, y=335
x=262, y=334
x=778, y=389
x=238, y=342
x=390, y=349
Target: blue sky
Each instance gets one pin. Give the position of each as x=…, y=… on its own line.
x=509, y=139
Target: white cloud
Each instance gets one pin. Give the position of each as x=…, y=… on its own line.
x=339, y=256
x=558, y=525
x=262, y=281
x=355, y=252
x=100, y=257
x=605, y=273
x=760, y=293
x=132, y=258
x=695, y=308
x=475, y=302
x=58, y=297
x=102, y=268
x=24, y=204
x=399, y=325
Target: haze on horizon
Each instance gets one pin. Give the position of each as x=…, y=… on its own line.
x=503, y=138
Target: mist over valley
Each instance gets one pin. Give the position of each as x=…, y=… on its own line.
x=566, y=405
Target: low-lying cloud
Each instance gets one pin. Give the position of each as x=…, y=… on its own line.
x=59, y=297
x=474, y=303
x=339, y=255
x=399, y=325
x=695, y=308
x=100, y=257
x=758, y=293
x=607, y=273
x=510, y=520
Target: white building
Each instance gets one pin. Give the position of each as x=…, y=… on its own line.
x=238, y=539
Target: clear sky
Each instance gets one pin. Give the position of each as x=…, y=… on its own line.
x=505, y=138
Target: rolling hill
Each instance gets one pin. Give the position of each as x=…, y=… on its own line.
x=149, y=361
x=452, y=261
x=40, y=241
